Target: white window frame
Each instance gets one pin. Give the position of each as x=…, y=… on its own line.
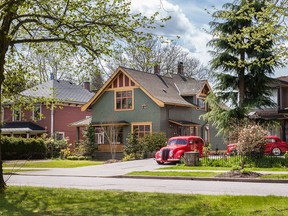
x=40, y=112
x=14, y=115
x=99, y=138
x=59, y=133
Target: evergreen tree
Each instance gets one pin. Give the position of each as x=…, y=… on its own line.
x=247, y=49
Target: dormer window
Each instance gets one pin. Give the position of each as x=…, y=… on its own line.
x=124, y=100
x=201, y=103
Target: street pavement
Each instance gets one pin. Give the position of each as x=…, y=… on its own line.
x=110, y=177
x=104, y=170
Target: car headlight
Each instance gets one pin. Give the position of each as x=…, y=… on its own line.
x=160, y=153
x=170, y=153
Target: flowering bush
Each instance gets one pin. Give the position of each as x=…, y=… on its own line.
x=251, y=139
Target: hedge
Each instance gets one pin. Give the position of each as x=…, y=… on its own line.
x=14, y=148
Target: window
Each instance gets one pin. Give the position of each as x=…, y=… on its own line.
x=59, y=135
x=124, y=100
x=99, y=135
x=37, y=112
x=99, y=138
x=16, y=115
x=206, y=133
x=141, y=129
x=201, y=103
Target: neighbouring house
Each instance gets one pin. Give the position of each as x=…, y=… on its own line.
x=280, y=111
x=133, y=101
x=43, y=118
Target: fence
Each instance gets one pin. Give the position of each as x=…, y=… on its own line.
x=266, y=161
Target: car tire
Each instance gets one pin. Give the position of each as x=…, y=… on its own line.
x=159, y=162
x=276, y=151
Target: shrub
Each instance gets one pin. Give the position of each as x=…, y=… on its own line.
x=133, y=147
x=153, y=142
x=89, y=144
x=54, y=147
x=14, y=148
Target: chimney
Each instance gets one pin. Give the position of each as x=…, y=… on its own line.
x=157, y=69
x=87, y=85
x=180, y=68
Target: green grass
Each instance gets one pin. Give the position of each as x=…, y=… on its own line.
x=52, y=164
x=36, y=201
x=183, y=167
x=275, y=176
x=180, y=174
x=20, y=170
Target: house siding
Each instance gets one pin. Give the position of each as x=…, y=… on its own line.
x=145, y=110
x=62, y=118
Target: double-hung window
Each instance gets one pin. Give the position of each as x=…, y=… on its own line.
x=124, y=100
x=37, y=112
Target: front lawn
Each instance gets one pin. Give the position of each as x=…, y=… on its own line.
x=51, y=163
x=171, y=173
x=47, y=201
x=183, y=167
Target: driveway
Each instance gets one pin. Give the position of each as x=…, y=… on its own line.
x=104, y=170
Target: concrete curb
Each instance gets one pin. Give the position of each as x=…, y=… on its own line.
x=251, y=180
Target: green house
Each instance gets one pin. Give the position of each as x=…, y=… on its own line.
x=133, y=101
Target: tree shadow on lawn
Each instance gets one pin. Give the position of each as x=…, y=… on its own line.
x=21, y=203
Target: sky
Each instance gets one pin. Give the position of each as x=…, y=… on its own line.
x=190, y=20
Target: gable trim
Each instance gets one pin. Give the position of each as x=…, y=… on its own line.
x=109, y=82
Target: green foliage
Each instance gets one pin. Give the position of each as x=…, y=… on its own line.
x=138, y=148
x=74, y=157
x=56, y=148
x=247, y=46
x=235, y=162
x=133, y=147
x=89, y=143
x=153, y=142
x=246, y=42
x=23, y=148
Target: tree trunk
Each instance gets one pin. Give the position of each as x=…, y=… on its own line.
x=2, y=182
x=242, y=83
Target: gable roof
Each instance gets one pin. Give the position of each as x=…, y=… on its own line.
x=60, y=90
x=163, y=90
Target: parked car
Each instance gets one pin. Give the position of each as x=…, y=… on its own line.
x=176, y=146
x=274, y=146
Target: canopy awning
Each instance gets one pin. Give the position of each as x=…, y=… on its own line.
x=184, y=123
x=116, y=123
x=82, y=122
x=21, y=128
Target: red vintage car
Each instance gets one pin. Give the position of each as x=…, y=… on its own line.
x=176, y=146
x=274, y=146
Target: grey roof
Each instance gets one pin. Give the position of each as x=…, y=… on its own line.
x=168, y=89
x=60, y=90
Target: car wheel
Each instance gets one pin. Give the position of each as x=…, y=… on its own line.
x=276, y=151
x=159, y=162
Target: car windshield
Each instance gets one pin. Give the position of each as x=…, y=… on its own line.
x=177, y=142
